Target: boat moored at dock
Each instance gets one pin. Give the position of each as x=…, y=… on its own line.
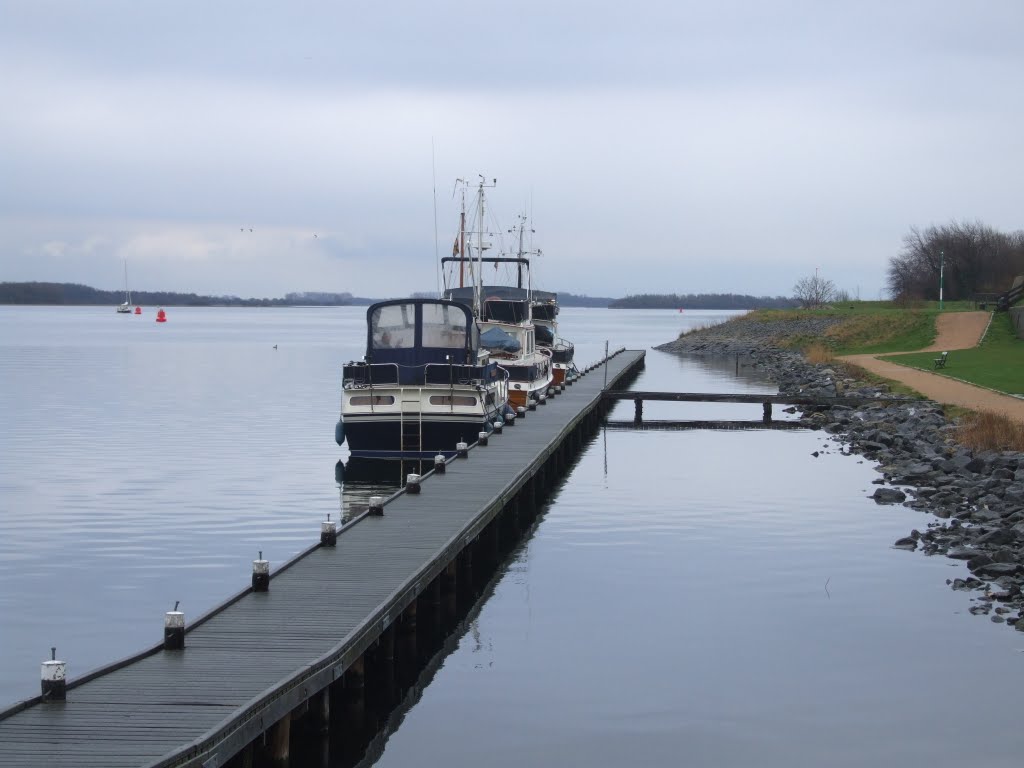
x=425, y=384
x=509, y=334
x=544, y=312
x=524, y=345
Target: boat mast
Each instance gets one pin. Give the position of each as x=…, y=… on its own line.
x=478, y=299
x=519, y=265
x=462, y=238
x=478, y=303
x=522, y=254
x=127, y=293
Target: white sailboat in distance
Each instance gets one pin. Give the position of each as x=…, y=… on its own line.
x=126, y=306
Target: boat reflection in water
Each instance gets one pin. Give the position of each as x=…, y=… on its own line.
x=360, y=478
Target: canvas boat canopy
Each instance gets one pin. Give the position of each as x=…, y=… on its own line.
x=416, y=332
x=498, y=340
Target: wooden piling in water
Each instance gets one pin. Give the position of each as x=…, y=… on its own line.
x=279, y=742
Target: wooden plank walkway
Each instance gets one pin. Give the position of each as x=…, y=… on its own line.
x=264, y=654
x=664, y=425
x=744, y=397
x=766, y=400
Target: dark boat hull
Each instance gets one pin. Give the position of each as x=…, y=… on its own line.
x=380, y=436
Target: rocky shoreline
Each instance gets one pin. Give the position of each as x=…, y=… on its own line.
x=976, y=498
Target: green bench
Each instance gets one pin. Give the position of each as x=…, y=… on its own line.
x=940, y=361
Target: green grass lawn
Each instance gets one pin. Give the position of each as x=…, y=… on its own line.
x=874, y=326
x=997, y=363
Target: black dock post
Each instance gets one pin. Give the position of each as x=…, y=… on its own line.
x=53, y=678
x=174, y=630
x=767, y=413
x=260, y=574
x=328, y=533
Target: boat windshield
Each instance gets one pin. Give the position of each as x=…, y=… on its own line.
x=443, y=326
x=393, y=326
x=420, y=325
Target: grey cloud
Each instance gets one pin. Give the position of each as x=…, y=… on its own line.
x=718, y=146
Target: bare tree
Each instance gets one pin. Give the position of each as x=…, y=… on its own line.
x=814, y=291
x=970, y=257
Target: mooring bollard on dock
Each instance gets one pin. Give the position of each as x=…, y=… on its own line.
x=521, y=411
x=462, y=448
x=328, y=532
x=412, y=483
x=481, y=438
x=174, y=629
x=376, y=508
x=531, y=404
x=53, y=678
x=498, y=426
x=260, y=574
x=440, y=465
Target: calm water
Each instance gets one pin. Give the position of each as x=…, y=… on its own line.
x=700, y=598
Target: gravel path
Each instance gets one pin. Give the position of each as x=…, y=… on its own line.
x=956, y=330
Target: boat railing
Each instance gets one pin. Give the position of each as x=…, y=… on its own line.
x=523, y=372
x=447, y=373
x=381, y=374
x=562, y=352
x=369, y=374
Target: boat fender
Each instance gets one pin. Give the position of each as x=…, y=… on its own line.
x=339, y=432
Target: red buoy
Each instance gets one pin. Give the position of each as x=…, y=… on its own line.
x=138, y=310
x=161, y=316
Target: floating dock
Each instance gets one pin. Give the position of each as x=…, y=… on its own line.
x=260, y=671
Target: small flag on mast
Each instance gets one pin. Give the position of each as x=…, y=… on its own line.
x=455, y=248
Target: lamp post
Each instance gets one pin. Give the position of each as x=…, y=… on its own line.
x=942, y=266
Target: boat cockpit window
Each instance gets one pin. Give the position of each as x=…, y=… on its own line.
x=502, y=311
x=394, y=327
x=443, y=326
x=463, y=400
x=371, y=400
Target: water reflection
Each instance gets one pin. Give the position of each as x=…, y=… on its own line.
x=739, y=367
x=359, y=478
x=380, y=688
x=395, y=703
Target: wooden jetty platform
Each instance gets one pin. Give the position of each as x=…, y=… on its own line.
x=263, y=668
x=766, y=400
x=663, y=425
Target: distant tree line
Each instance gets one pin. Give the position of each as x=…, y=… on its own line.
x=703, y=301
x=73, y=293
x=566, y=299
x=974, y=258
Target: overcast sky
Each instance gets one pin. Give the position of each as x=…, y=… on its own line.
x=661, y=146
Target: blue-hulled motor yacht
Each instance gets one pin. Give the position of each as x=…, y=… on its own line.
x=424, y=385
